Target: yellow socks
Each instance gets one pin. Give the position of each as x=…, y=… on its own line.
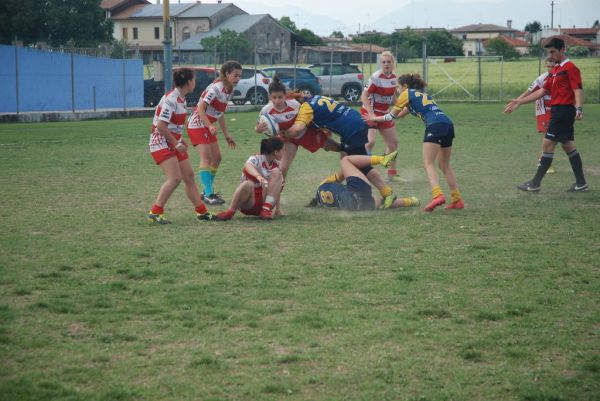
x=375, y=160
x=385, y=191
x=436, y=191
x=455, y=195
x=333, y=178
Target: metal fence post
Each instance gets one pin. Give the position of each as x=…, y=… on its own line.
x=330, y=71
x=73, y=82
x=501, y=77
x=17, y=75
x=124, y=89
x=94, y=98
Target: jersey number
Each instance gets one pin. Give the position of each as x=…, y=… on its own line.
x=426, y=100
x=326, y=197
x=330, y=103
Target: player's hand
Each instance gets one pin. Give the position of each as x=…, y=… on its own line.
x=213, y=130
x=511, y=106
x=181, y=146
x=261, y=127
x=230, y=142
x=579, y=113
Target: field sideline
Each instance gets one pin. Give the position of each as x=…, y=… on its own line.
x=495, y=302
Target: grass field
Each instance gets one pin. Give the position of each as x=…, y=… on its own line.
x=495, y=302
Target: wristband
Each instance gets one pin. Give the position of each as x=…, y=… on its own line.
x=579, y=109
x=388, y=117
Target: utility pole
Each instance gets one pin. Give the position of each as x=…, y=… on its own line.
x=552, y=15
x=167, y=47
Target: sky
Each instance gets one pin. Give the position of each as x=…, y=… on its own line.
x=352, y=16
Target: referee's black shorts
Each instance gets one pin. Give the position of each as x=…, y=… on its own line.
x=561, y=124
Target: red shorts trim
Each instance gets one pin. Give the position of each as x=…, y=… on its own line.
x=258, y=202
x=201, y=136
x=312, y=140
x=161, y=155
x=543, y=120
x=379, y=125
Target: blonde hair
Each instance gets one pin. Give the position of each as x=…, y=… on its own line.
x=389, y=54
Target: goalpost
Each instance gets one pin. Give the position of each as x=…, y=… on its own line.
x=465, y=78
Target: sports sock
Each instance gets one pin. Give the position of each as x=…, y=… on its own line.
x=375, y=160
x=577, y=166
x=455, y=196
x=157, y=209
x=543, y=166
x=268, y=203
x=386, y=191
x=392, y=172
x=201, y=209
x=206, y=180
x=406, y=202
x=334, y=177
x=436, y=191
x=213, y=173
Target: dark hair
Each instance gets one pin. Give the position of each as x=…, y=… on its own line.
x=412, y=81
x=557, y=43
x=182, y=76
x=228, y=67
x=270, y=145
x=276, y=85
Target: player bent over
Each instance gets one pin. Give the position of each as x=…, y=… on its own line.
x=356, y=194
x=170, y=151
x=261, y=183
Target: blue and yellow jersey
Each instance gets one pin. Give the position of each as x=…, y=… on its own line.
x=326, y=113
x=421, y=105
x=329, y=193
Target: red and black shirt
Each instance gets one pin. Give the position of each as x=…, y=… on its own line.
x=562, y=81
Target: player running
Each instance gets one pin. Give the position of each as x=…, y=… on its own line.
x=356, y=194
x=326, y=113
x=260, y=184
x=284, y=110
x=170, y=151
x=437, y=143
x=203, y=134
x=377, y=97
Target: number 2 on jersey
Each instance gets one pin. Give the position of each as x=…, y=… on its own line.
x=426, y=100
x=330, y=103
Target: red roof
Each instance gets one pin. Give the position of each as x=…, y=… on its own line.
x=580, y=31
x=572, y=41
x=514, y=41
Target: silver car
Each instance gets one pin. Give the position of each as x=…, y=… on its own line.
x=340, y=79
x=251, y=88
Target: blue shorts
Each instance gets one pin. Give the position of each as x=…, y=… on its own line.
x=355, y=144
x=358, y=195
x=440, y=133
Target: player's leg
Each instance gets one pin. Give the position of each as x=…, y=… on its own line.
x=371, y=135
x=390, y=137
x=577, y=166
x=215, y=162
x=191, y=190
x=289, y=154
x=545, y=162
x=204, y=152
x=243, y=198
x=170, y=168
x=431, y=151
x=456, y=201
x=272, y=194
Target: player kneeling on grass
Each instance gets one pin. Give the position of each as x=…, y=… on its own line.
x=356, y=194
x=261, y=183
x=437, y=143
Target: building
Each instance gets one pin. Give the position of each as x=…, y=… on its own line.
x=583, y=37
x=474, y=36
x=340, y=52
x=520, y=45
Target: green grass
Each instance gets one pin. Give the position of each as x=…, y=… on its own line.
x=495, y=302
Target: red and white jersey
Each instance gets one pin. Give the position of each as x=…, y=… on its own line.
x=216, y=96
x=544, y=102
x=284, y=118
x=170, y=109
x=381, y=89
x=260, y=163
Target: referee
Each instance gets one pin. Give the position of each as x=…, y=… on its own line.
x=566, y=99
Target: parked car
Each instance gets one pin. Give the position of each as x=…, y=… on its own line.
x=154, y=90
x=251, y=88
x=340, y=79
x=296, y=78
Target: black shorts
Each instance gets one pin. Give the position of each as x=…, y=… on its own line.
x=440, y=133
x=358, y=195
x=562, y=119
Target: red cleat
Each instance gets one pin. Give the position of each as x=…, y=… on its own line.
x=266, y=214
x=459, y=204
x=435, y=202
x=226, y=215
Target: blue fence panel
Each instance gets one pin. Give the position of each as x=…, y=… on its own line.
x=8, y=86
x=44, y=80
x=49, y=81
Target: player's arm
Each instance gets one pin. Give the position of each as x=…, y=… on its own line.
x=578, y=103
x=261, y=126
x=364, y=98
x=228, y=138
x=399, y=109
x=163, y=129
x=252, y=173
x=201, y=109
x=532, y=97
x=303, y=119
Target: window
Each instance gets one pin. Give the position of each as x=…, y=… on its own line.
x=125, y=34
x=135, y=33
x=156, y=32
x=186, y=33
x=246, y=74
x=338, y=70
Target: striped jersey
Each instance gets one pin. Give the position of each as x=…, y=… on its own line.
x=264, y=168
x=381, y=89
x=544, y=102
x=286, y=117
x=170, y=109
x=216, y=96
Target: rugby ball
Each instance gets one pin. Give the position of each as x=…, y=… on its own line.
x=272, y=126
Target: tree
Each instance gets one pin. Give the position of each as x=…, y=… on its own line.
x=502, y=48
x=596, y=24
x=309, y=37
x=287, y=22
x=369, y=37
x=536, y=50
x=231, y=44
x=54, y=21
x=532, y=28
x=443, y=43
x=577, y=51
x=337, y=34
